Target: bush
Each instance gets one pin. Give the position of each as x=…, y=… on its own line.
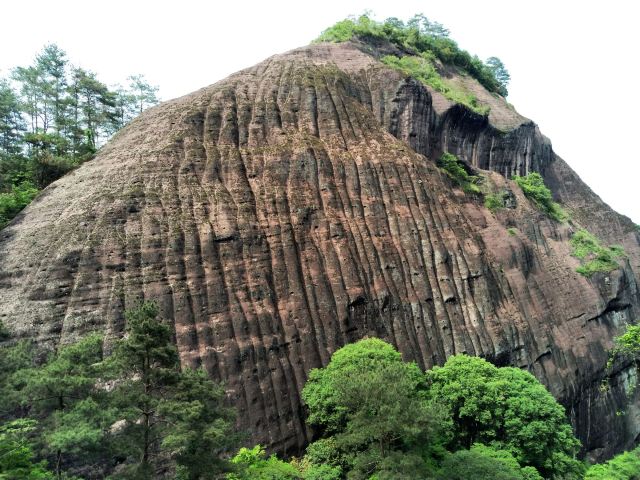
x=481, y=462
x=625, y=466
x=419, y=36
x=596, y=258
x=423, y=70
x=450, y=164
x=494, y=201
x=13, y=202
x=534, y=188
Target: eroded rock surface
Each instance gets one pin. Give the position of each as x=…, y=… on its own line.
x=295, y=207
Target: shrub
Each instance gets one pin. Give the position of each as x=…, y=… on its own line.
x=423, y=69
x=512, y=231
x=534, y=188
x=596, y=258
x=450, y=164
x=13, y=202
x=625, y=466
x=494, y=201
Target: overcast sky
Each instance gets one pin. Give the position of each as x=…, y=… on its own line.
x=573, y=64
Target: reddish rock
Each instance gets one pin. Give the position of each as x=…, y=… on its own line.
x=295, y=207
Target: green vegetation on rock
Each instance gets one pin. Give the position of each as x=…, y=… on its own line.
x=595, y=257
x=534, y=188
x=417, y=37
x=625, y=466
x=422, y=68
x=450, y=164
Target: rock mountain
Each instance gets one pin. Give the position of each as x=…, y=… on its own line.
x=296, y=206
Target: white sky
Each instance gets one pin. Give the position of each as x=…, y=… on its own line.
x=574, y=65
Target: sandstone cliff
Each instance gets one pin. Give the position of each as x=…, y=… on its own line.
x=295, y=207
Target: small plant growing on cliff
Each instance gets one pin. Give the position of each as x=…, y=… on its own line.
x=595, y=257
x=494, y=201
x=534, y=188
x=450, y=164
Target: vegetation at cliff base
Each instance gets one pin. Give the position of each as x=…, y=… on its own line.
x=594, y=256
x=424, y=39
x=625, y=466
x=533, y=187
x=82, y=413
x=53, y=117
x=455, y=169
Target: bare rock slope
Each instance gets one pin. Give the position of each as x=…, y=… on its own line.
x=295, y=207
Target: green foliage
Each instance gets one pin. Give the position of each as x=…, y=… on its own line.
x=371, y=409
x=625, y=466
x=494, y=201
x=534, y=188
x=483, y=462
x=12, y=202
x=201, y=427
x=253, y=464
x=512, y=231
x=507, y=408
x=421, y=36
x=163, y=409
x=450, y=164
x=596, y=258
x=53, y=117
x=16, y=453
x=422, y=68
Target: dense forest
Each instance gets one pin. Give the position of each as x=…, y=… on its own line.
x=53, y=117
x=126, y=410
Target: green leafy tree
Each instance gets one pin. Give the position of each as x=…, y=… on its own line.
x=371, y=410
x=499, y=71
x=54, y=391
x=507, y=408
x=142, y=92
x=166, y=413
x=625, y=466
x=253, y=464
x=483, y=462
x=200, y=426
x=16, y=453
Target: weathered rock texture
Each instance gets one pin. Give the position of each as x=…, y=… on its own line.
x=295, y=207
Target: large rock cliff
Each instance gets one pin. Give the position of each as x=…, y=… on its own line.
x=295, y=207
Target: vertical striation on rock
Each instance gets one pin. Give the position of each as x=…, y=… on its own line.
x=294, y=207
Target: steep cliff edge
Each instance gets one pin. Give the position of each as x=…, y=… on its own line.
x=295, y=207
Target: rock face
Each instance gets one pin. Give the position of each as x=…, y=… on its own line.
x=295, y=207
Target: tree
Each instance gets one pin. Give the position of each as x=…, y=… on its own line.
x=142, y=92
x=57, y=393
x=166, y=412
x=499, y=71
x=16, y=453
x=201, y=427
x=508, y=408
x=371, y=410
x=625, y=466
x=482, y=462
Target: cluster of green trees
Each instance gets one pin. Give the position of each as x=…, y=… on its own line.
x=54, y=116
x=454, y=168
x=421, y=36
x=133, y=413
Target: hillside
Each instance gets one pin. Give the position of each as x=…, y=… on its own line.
x=297, y=206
